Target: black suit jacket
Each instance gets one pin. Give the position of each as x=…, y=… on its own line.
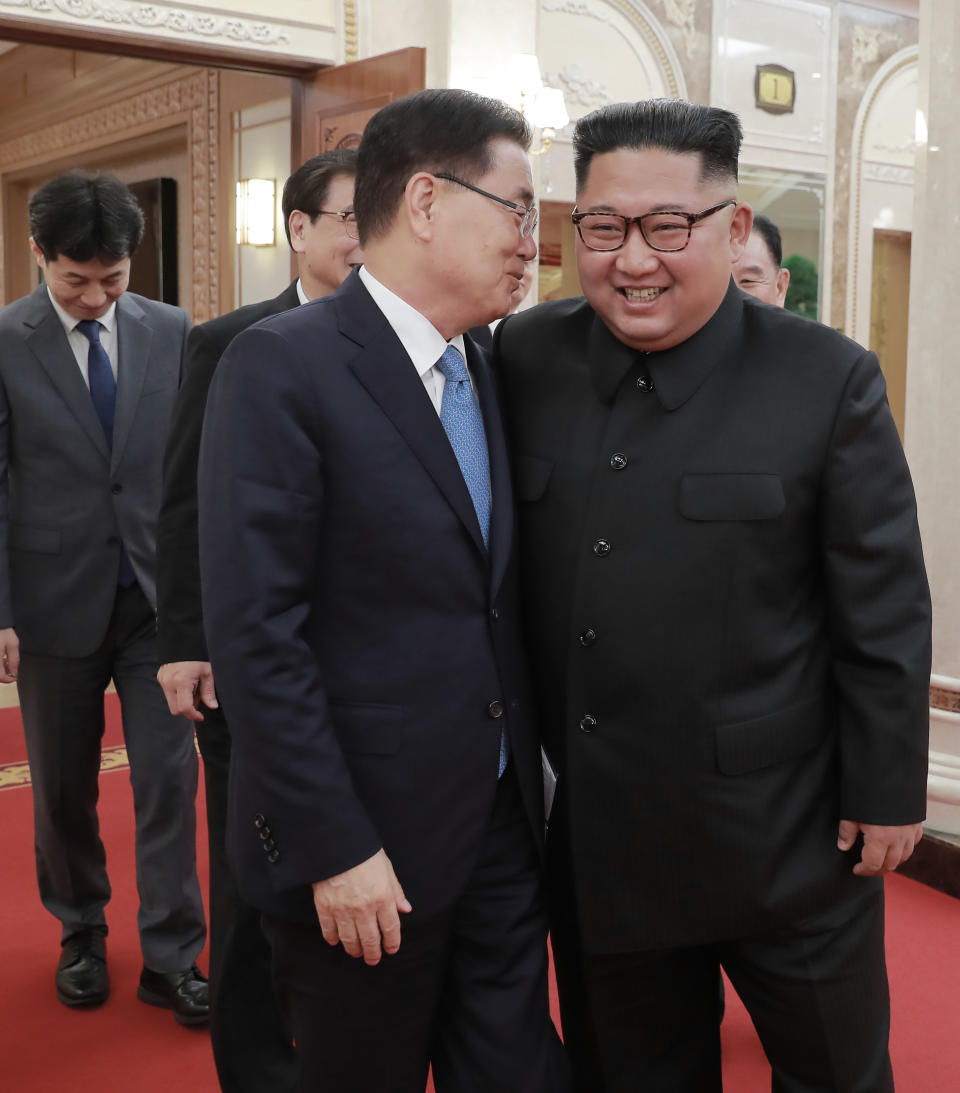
x=727, y=611
x=179, y=607
x=363, y=639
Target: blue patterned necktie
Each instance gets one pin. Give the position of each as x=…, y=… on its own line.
x=103, y=392
x=103, y=387
x=461, y=418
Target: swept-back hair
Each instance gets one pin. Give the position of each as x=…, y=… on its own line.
x=440, y=130
x=85, y=215
x=307, y=188
x=672, y=125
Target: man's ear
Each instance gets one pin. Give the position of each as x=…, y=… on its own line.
x=740, y=227
x=297, y=222
x=38, y=254
x=419, y=199
x=783, y=283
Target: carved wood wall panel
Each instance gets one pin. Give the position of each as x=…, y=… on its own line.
x=192, y=99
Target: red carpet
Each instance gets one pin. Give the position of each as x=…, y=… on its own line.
x=132, y=1048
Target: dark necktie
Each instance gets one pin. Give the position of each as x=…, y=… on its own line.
x=103, y=392
x=103, y=387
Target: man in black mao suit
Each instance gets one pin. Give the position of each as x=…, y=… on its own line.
x=251, y=1048
x=356, y=533
x=730, y=626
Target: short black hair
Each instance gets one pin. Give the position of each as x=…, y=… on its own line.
x=673, y=125
x=307, y=188
x=440, y=130
x=771, y=236
x=85, y=215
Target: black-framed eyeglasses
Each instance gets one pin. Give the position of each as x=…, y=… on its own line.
x=347, y=218
x=528, y=216
x=663, y=231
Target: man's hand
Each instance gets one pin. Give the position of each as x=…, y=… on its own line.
x=9, y=655
x=187, y=683
x=884, y=848
x=360, y=907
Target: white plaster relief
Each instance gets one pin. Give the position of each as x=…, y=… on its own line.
x=152, y=17
x=578, y=87
x=888, y=172
x=680, y=13
x=868, y=42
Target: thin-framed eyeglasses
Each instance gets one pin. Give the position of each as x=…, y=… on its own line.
x=663, y=231
x=528, y=216
x=347, y=217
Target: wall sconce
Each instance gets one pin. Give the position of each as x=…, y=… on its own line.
x=543, y=107
x=257, y=211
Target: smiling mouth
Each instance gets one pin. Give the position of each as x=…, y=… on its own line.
x=642, y=295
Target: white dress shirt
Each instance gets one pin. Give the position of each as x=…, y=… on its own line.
x=418, y=336
x=79, y=342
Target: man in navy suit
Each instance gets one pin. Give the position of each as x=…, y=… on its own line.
x=356, y=551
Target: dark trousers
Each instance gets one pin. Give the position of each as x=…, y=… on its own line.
x=817, y=994
x=61, y=702
x=252, y=1049
x=467, y=991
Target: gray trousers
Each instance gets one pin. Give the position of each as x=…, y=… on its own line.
x=61, y=702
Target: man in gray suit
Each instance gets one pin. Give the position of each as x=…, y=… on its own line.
x=88, y=375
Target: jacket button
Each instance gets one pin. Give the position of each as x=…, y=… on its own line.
x=645, y=385
x=268, y=844
x=588, y=637
x=264, y=832
x=618, y=461
x=601, y=548
x=273, y=857
x=494, y=612
x=588, y=723
x=495, y=709
x=259, y=820
x=116, y=488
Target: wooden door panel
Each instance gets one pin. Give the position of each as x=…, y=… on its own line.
x=331, y=107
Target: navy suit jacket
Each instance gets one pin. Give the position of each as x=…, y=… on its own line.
x=362, y=637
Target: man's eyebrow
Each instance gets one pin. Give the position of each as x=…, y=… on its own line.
x=753, y=269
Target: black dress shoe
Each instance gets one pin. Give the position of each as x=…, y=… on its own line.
x=82, y=978
x=185, y=993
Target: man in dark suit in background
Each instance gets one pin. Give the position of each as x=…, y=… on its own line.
x=88, y=375
x=251, y=1047
x=759, y=270
x=356, y=549
x=730, y=627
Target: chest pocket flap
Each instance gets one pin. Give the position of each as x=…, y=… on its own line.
x=731, y=496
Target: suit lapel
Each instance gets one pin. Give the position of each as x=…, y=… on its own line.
x=48, y=342
x=134, y=343
x=385, y=370
x=501, y=518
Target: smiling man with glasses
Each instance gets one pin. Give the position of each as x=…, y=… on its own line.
x=729, y=626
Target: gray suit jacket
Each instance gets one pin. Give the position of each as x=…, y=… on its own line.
x=66, y=501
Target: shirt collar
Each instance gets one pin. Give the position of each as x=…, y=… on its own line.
x=300, y=293
x=418, y=336
x=677, y=372
x=70, y=323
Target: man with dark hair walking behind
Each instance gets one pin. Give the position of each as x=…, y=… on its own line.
x=729, y=624
x=252, y=1049
x=356, y=550
x=759, y=269
x=88, y=375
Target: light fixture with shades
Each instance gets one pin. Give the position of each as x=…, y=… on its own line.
x=543, y=107
x=257, y=211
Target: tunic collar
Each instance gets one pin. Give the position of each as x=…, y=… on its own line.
x=677, y=372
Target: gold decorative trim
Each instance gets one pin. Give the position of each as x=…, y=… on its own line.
x=193, y=98
x=349, y=30
x=17, y=775
x=943, y=698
